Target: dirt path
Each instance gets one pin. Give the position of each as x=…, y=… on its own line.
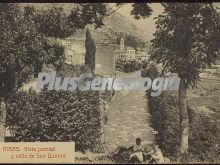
x=128, y=119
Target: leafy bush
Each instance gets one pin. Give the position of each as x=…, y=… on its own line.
x=165, y=120
x=204, y=138
x=204, y=144
x=72, y=70
x=149, y=70
x=165, y=116
x=56, y=116
x=131, y=66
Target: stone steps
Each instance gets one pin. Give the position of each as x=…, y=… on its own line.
x=128, y=119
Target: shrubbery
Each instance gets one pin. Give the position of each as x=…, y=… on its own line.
x=204, y=144
x=56, y=116
x=149, y=70
x=130, y=66
x=165, y=120
x=165, y=116
x=204, y=139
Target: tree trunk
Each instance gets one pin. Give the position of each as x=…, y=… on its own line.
x=2, y=121
x=184, y=119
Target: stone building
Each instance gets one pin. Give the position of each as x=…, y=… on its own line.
x=125, y=53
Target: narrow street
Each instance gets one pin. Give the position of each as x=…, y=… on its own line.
x=128, y=119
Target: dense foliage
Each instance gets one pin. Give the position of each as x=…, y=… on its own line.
x=56, y=116
x=204, y=138
x=165, y=120
x=90, y=51
x=186, y=39
x=28, y=38
x=131, y=66
x=141, y=10
x=23, y=49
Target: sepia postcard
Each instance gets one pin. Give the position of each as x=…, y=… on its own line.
x=117, y=83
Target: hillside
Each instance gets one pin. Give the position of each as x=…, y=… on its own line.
x=105, y=37
x=114, y=23
x=119, y=23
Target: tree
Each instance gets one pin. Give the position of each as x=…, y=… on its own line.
x=57, y=23
x=25, y=48
x=20, y=45
x=26, y=40
x=141, y=10
x=25, y=34
x=90, y=51
x=186, y=41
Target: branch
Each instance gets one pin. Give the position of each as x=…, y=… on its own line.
x=115, y=9
x=111, y=7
